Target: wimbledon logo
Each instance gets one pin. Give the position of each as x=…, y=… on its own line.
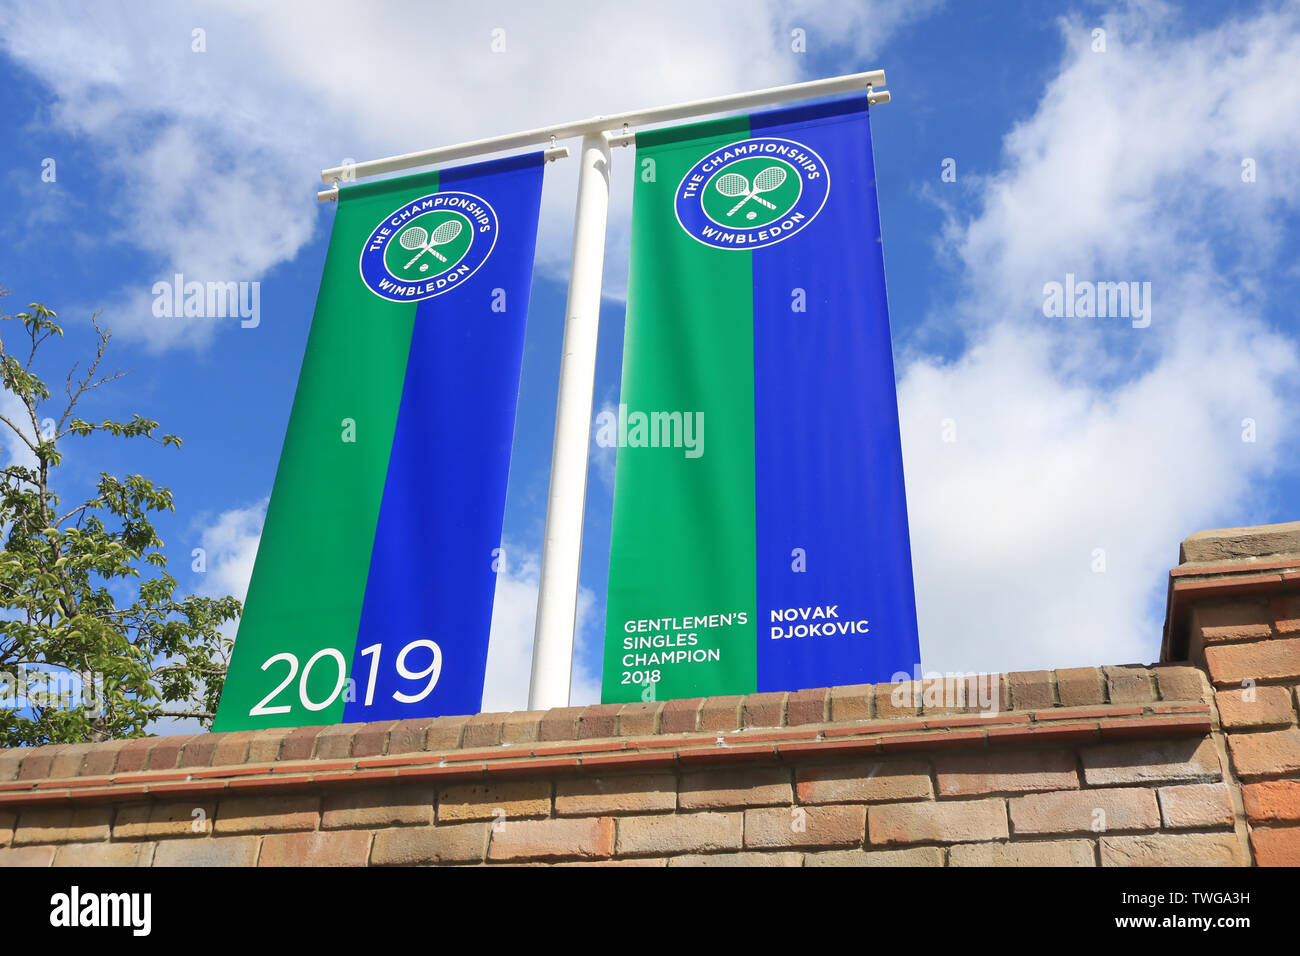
x=752, y=194
x=428, y=246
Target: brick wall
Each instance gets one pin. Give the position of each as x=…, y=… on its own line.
x=1235, y=599
x=1111, y=766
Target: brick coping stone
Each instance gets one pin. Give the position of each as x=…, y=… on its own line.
x=1032, y=708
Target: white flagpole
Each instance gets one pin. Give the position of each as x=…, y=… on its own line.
x=557, y=596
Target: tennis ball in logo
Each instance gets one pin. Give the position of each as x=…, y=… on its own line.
x=429, y=245
x=751, y=192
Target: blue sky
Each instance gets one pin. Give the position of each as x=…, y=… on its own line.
x=1073, y=436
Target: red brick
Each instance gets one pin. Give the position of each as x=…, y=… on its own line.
x=264, y=746
x=104, y=854
x=1050, y=732
x=334, y=743
x=482, y=800
x=1255, y=707
x=1180, y=682
x=1286, y=613
x=1276, y=847
x=594, y=795
x=376, y=807
x=1150, y=761
x=873, y=781
x=1261, y=661
x=1273, y=801
x=763, y=710
x=807, y=707
x=134, y=756
x=897, y=699
x=821, y=826
x=300, y=743
x=740, y=787
x=1086, y=713
x=11, y=762
x=640, y=718
x=931, y=740
x=851, y=702
x=575, y=747
x=1196, y=805
x=560, y=723
x=522, y=727
x=208, y=851
x=1031, y=690
x=856, y=746
x=640, y=760
x=680, y=716
x=1076, y=686
x=333, y=848
x=1008, y=771
x=950, y=821
x=445, y=733
x=599, y=720
x=268, y=814
x=232, y=748
x=199, y=751
x=165, y=754
x=962, y=695
x=409, y=846
x=670, y=834
x=721, y=713
x=68, y=762
x=372, y=739
x=580, y=838
x=531, y=767
x=408, y=736
x=1172, y=849
x=1231, y=621
x=102, y=758
x=1038, y=853
x=1195, y=724
x=1270, y=753
x=1130, y=684
x=38, y=762
x=1085, y=811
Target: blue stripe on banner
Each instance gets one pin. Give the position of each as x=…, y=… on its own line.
x=431, y=571
x=829, y=466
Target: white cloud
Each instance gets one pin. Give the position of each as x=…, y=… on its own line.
x=212, y=156
x=230, y=548
x=1079, y=434
x=15, y=450
x=510, y=649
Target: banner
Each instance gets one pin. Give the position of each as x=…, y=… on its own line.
x=759, y=535
x=371, y=597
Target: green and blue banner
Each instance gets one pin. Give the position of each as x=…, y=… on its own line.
x=759, y=536
x=371, y=597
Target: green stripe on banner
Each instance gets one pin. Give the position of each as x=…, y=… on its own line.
x=686, y=523
x=312, y=562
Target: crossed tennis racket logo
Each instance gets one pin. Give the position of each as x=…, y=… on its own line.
x=420, y=238
x=735, y=184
